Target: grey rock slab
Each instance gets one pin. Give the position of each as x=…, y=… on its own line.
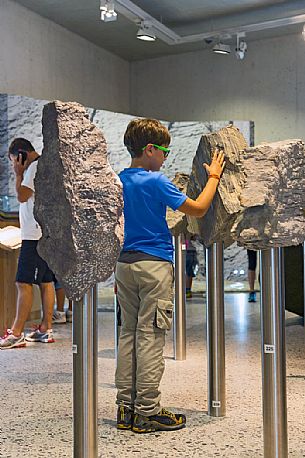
x=78, y=200
x=216, y=224
x=176, y=220
x=273, y=197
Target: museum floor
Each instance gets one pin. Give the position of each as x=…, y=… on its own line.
x=36, y=420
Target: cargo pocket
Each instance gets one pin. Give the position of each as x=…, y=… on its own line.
x=164, y=314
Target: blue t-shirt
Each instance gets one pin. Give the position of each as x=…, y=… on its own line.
x=146, y=196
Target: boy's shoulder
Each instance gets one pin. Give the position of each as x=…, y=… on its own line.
x=143, y=174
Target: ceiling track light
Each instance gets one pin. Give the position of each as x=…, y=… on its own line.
x=241, y=46
x=146, y=32
x=221, y=48
x=108, y=13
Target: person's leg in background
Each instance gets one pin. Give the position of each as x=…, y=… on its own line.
x=60, y=316
x=24, y=305
x=252, y=262
x=188, y=283
x=25, y=276
x=48, y=299
x=44, y=279
x=190, y=266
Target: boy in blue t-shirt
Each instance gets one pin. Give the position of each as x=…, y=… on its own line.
x=144, y=274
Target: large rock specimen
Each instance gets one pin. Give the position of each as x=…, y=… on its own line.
x=78, y=200
x=176, y=221
x=273, y=197
x=216, y=225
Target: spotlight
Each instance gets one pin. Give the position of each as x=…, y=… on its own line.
x=221, y=48
x=107, y=11
x=241, y=46
x=145, y=32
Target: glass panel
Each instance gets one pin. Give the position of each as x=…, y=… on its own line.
x=8, y=204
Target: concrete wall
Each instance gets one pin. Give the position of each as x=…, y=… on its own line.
x=43, y=60
x=268, y=87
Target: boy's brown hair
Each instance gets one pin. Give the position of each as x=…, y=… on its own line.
x=141, y=132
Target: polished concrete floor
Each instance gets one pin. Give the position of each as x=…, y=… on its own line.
x=36, y=386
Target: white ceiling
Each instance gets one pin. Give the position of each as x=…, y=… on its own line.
x=185, y=17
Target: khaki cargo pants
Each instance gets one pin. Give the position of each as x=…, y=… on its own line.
x=145, y=294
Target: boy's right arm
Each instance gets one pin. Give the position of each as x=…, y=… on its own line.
x=200, y=206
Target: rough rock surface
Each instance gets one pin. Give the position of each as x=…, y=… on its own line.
x=215, y=226
x=21, y=116
x=176, y=221
x=78, y=200
x=273, y=198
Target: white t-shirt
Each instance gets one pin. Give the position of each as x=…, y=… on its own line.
x=30, y=229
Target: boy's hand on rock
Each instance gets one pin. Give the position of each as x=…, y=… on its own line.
x=217, y=165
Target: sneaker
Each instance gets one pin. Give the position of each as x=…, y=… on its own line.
x=163, y=421
x=252, y=296
x=59, y=317
x=10, y=341
x=188, y=294
x=124, y=418
x=69, y=316
x=38, y=336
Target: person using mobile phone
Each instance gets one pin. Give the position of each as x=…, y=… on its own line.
x=32, y=269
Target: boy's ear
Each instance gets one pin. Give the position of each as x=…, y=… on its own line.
x=148, y=150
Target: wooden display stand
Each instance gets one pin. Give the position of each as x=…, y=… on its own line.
x=8, y=292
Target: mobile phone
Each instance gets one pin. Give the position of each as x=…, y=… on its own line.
x=24, y=156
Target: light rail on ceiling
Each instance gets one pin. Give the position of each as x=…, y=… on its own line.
x=136, y=14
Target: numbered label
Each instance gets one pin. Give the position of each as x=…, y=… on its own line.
x=269, y=348
x=74, y=348
x=216, y=404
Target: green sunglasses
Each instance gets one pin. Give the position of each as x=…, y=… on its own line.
x=165, y=150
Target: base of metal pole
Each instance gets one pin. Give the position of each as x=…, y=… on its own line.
x=215, y=331
x=84, y=350
x=273, y=353
x=179, y=323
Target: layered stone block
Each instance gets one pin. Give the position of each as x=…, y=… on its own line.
x=216, y=225
x=176, y=221
x=78, y=200
x=272, y=199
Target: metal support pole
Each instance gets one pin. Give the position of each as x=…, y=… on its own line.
x=85, y=376
x=179, y=311
x=273, y=354
x=304, y=283
x=215, y=331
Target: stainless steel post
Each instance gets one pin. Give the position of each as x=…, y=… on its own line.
x=273, y=353
x=304, y=282
x=179, y=324
x=84, y=350
x=215, y=331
